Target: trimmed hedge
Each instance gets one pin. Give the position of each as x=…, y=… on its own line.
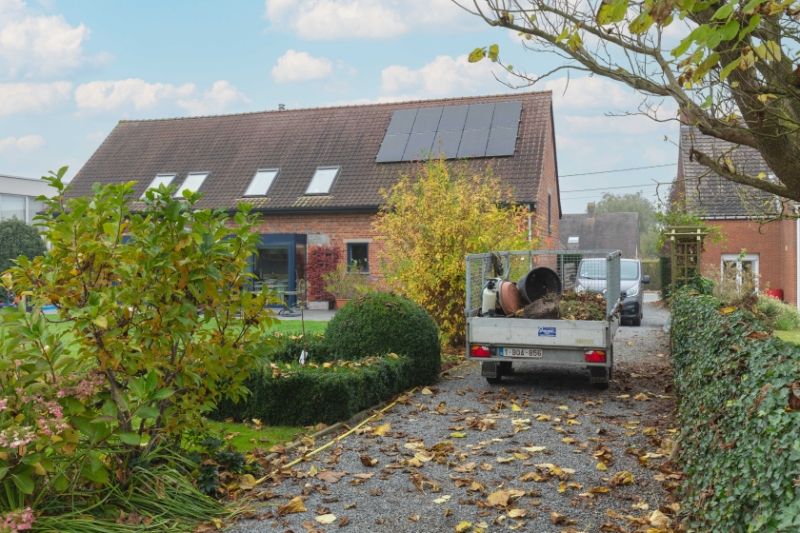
x=740, y=438
x=302, y=395
x=283, y=348
x=379, y=323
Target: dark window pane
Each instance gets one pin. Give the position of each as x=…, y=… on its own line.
x=427, y=119
x=479, y=117
x=358, y=256
x=272, y=267
x=473, y=143
x=392, y=148
x=453, y=118
x=402, y=120
x=419, y=146
x=506, y=114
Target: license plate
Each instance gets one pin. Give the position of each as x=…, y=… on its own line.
x=531, y=353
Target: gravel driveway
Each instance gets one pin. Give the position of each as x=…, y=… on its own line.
x=542, y=452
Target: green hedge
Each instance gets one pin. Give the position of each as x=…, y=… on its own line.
x=379, y=323
x=294, y=395
x=740, y=442
x=285, y=348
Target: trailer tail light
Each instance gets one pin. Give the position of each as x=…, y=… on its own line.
x=479, y=350
x=595, y=356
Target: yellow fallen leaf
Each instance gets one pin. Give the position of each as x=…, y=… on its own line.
x=443, y=499
x=601, y=466
x=504, y=459
x=515, y=407
x=641, y=506
x=458, y=434
x=295, y=505
x=622, y=478
x=426, y=391
x=382, y=430
x=572, y=422
x=498, y=498
x=659, y=519
x=568, y=440
x=564, y=407
x=542, y=418
x=599, y=490
x=247, y=482
x=534, y=449
x=517, y=513
x=642, y=397
x=327, y=518
x=463, y=526
x=727, y=310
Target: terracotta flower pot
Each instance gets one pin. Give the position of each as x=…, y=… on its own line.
x=341, y=302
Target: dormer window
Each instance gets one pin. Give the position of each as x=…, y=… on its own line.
x=193, y=182
x=261, y=182
x=322, y=180
x=158, y=181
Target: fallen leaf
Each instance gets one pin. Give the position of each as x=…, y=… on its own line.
x=426, y=391
x=599, y=490
x=560, y=520
x=568, y=440
x=295, y=505
x=727, y=310
x=330, y=476
x=641, y=506
x=542, y=418
x=458, y=434
x=441, y=408
x=659, y=519
x=502, y=460
x=498, y=498
x=443, y=499
x=601, y=466
x=534, y=449
x=515, y=407
x=247, y=482
x=622, y=478
x=463, y=526
x=642, y=397
x=564, y=407
x=325, y=518
x=343, y=521
x=366, y=460
x=414, y=517
x=517, y=513
x=382, y=430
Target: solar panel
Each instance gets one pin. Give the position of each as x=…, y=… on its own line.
x=506, y=114
x=392, y=147
x=453, y=118
x=501, y=141
x=402, y=120
x=479, y=117
x=419, y=146
x=473, y=143
x=427, y=119
x=446, y=143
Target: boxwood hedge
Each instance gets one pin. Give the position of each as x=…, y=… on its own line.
x=291, y=394
x=740, y=437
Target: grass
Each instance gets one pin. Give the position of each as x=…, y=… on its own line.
x=792, y=336
x=245, y=438
x=294, y=326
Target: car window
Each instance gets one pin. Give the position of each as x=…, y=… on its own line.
x=629, y=270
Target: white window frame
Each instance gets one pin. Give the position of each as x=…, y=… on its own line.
x=249, y=193
x=738, y=259
x=159, y=180
x=347, y=243
x=330, y=185
x=184, y=186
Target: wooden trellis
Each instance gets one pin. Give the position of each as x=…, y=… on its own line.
x=686, y=248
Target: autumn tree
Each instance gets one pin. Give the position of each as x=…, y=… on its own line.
x=730, y=66
x=634, y=203
x=429, y=222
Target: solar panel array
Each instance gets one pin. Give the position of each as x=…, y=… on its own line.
x=459, y=131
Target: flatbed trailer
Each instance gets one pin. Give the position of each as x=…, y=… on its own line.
x=501, y=341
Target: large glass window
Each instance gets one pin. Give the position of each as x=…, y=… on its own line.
x=741, y=269
x=272, y=268
x=193, y=182
x=322, y=180
x=358, y=256
x=261, y=183
x=12, y=206
x=158, y=181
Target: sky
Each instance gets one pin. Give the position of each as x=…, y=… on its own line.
x=71, y=69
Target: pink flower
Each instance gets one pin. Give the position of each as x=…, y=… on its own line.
x=3, y=404
x=20, y=520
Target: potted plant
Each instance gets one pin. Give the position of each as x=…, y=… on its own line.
x=345, y=284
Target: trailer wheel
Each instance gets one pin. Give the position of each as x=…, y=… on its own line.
x=601, y=386
x=494, y=381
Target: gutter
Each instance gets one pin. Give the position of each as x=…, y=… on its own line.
x=310, y=210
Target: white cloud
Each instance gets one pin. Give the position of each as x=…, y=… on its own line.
x=621, y=125
x=32, y=97
x=361, y=19
x=26, y=143
x=33, y=45
x=589, y=92
x=294, y=66
x=444, y=76
x=221, y=97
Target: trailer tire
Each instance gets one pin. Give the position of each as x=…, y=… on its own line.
x=601, y=386
x=494, y=381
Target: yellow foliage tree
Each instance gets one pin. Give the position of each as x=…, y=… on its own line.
x=428, y=224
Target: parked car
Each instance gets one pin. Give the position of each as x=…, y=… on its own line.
x=592, y=277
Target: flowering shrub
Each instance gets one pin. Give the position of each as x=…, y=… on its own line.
x=155, y=325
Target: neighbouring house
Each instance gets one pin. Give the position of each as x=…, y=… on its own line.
x=755, y=242
x=18, y=197
x=316, y=175
x=602, y=231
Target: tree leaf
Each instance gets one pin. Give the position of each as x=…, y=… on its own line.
x=476, y=55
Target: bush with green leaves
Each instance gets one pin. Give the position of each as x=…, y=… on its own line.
x=778, y=315
x=286, y=348
x=739, y=395
x=155, y=326
x=294, y=394
x=16, y=239
x=380, y=323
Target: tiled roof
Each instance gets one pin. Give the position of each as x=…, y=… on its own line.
x=710, y=195
x=603, y=231
x=232, y=147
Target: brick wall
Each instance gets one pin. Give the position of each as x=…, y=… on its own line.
x=547, y=185
x=775, y=244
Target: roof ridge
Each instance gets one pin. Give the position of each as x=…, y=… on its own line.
x=344, y=106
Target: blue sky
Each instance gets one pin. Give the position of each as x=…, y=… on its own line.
x=70, y=69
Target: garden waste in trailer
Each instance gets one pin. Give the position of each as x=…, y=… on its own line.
x=544, y=318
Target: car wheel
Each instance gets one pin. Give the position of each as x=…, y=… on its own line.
x=636, y=321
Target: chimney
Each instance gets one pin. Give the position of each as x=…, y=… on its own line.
x=590, y=209
x=281, y=107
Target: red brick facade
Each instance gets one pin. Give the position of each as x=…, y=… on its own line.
x=775, y=243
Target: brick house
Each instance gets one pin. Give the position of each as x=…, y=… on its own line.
x=755, y=241
x=315, y=175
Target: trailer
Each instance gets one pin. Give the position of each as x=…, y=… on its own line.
x=500, y=340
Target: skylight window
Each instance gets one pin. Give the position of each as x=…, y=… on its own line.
x=262, y=181
x=158, y=181
x=192, y=183
x=322, y=180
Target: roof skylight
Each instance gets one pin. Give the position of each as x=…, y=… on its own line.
x=192, y=183
x=158, y=181
x=261, y=182
x=322, y=180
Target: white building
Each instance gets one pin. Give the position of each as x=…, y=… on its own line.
x=18, y=197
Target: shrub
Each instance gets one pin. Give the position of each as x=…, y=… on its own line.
x=777, y=315
x=283, y=348
x=380, y=323
x=430, y=221
x=321, y=260
x=740, y=441
x=301, y=395
x=16, y=239
x=346, y=284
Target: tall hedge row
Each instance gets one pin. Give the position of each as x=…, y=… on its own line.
x=740, y=441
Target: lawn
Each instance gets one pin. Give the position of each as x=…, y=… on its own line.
x=246, y=437
x=788, y=335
